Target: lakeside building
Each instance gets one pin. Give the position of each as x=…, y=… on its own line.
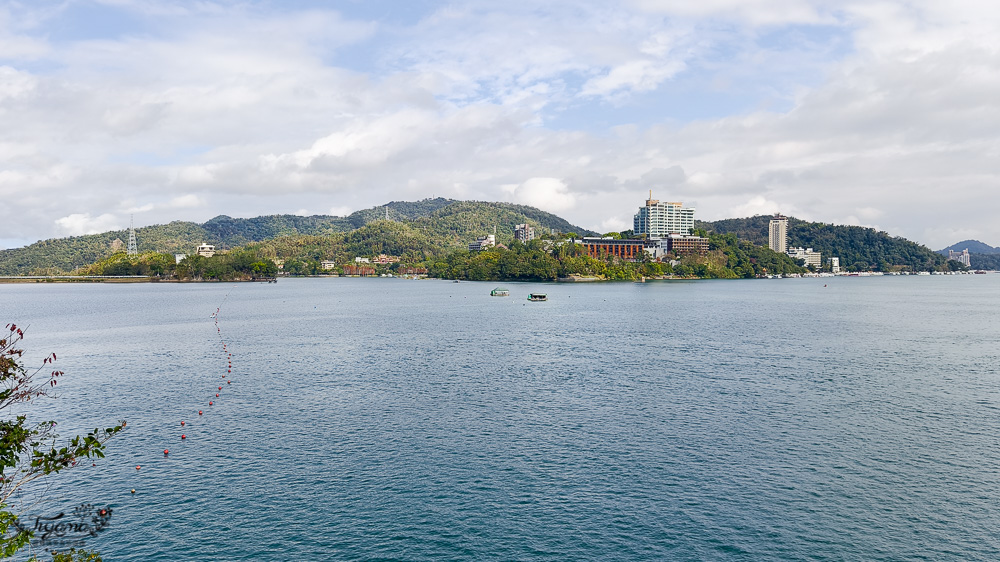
x=675, y=244
x=360, y=270
x=961, y=257
x=627, y=249
x=328, y=264
x=179, y=257
x=631, y=248
x=657, y=219
x=412, y=271
x=777, y=234
x=384, y=259
x=812, y=258
x=206, y=250
x=835, y=265
x=524, y=233
x=483, y=243
x=362, y=260
x=681, y=245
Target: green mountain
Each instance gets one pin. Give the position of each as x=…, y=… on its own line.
x=423, y=226
x=859, y=248
x=973, y=246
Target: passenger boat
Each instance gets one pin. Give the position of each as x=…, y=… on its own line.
x=535, y=297
x=499, y=292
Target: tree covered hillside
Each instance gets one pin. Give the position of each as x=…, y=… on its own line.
x=435, y=225
x=985, y=261
x=449, y=228
x=973, y=246
x=859, y=248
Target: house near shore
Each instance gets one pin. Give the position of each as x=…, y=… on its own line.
x=206, y=250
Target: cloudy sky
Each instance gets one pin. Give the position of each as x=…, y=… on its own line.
x=880, y=113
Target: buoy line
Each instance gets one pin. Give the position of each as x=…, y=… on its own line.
x=227, y=376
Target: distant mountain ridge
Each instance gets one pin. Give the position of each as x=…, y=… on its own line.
x=460, y=220
x=974, y=247
x=981, y=255
x=859, y=248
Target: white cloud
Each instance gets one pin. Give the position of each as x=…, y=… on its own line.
x=82, y=223
x=883, y=111
x=189, y=201
x=757, y=205
x=756, y=12
x=548, y=194
x=615, y=224
x=632, y=76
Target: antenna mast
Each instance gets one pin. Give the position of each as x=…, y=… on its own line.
x=132, y=250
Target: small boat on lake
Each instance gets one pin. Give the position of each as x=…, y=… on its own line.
x=536, y=297
x=499, y=292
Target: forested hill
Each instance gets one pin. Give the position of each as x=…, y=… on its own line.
x=440, y=223
x=981, y=256
x=859, y=248
x=973, y=246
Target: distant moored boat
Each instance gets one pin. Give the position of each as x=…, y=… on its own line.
x=535, y=297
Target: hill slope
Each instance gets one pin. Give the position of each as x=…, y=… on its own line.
x=858, y=248
x=440, y=223
x=974, y=247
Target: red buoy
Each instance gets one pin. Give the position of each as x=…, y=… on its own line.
x=182, y=424
x=216, y=394
x=220, y=388
x=166, y=451
x=229, y=382
x=137, y=467
x=184, y=436
x=199, y=412
x=209, y=402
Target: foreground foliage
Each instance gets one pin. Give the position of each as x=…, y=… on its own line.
x=29, y=451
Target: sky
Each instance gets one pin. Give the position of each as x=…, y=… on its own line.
x=876, y=113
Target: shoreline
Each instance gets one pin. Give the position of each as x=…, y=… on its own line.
x=562, y=280
x=114, y=279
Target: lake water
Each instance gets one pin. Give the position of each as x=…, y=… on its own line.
x=826, y=419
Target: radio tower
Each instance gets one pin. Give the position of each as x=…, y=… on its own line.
x=132, y=251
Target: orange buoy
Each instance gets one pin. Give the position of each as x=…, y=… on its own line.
x=137, y=467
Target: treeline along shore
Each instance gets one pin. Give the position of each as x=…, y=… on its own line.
x=433, y=238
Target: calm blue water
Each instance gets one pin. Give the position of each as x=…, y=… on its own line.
x=425, y=420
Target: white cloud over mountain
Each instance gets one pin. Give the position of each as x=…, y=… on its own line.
x=861, y=112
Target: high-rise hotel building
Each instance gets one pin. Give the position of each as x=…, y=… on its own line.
x=659, y=220
x=777, y=234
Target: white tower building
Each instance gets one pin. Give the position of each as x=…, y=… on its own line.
x=659, y=220
x=777, y=234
